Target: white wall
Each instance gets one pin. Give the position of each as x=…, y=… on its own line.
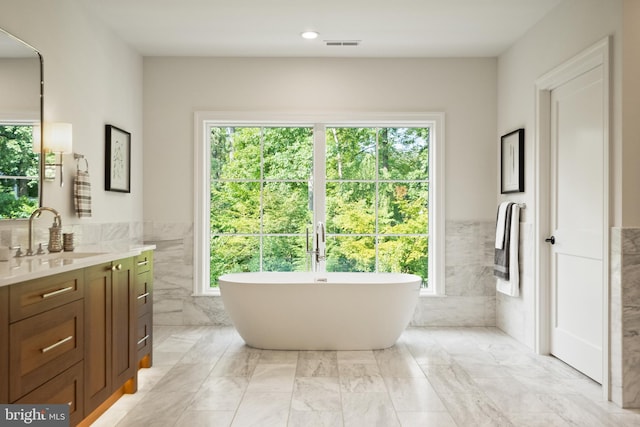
x=570, y=28
x=91, y=79
x=465, y=89
x=630, y=152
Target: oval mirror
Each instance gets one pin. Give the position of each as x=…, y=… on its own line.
x=21, y=169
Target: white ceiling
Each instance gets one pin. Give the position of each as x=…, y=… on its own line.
x=386, y=28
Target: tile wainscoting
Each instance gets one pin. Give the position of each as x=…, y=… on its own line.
x=624, y=316
x=470, y=286
x=13, y=233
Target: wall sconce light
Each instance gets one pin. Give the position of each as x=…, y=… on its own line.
x=58, y=139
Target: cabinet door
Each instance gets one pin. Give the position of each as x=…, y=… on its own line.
x=4, y=344
x=97, y=306
x=123, y=305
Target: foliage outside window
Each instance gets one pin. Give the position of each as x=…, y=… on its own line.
x=377, y=200
x=262, y=192
x=18, y=171
x=259, y=199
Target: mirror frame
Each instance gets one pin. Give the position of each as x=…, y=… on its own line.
x=41, y=160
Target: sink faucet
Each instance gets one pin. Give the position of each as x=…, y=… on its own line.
x=57, y=222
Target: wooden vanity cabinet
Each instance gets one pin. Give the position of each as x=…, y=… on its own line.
x=110, y=327
x=4, y=344
x=77, y=337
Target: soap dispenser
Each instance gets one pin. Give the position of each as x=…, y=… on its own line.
x=55, y=236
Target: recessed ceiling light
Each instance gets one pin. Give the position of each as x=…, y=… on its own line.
x=310, y=35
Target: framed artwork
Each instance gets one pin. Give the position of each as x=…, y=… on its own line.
x=117, y=175
x=512, y=162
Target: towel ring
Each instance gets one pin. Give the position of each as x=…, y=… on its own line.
x=79, y=157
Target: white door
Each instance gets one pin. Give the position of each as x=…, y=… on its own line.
x=578, y=218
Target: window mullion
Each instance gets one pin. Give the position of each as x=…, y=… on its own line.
x=376, y=200
x=261, y=215
x=319, y=173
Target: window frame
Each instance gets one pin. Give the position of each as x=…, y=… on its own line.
x=204, y=120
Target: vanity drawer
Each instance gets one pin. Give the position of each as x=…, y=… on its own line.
x=36, y=296
x=144, y=262
x=144, y=336
x=144, y=294
x=65, y=388
x=43, y=346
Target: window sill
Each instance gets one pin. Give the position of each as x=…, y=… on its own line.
x=215, y=292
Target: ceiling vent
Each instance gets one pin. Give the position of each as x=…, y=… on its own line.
x=342, y=42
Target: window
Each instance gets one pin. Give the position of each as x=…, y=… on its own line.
x=259, y=198
x=18, y=171
x=377, y=195
x=261, y=184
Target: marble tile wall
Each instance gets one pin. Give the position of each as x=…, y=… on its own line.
x=470, y=287
x=14, y=233
x=625, y=316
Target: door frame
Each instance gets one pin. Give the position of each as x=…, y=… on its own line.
x=594, y=56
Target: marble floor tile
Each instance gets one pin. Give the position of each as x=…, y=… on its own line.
x=413, y=394
x=368, y=409
x=207, y=376
x=236, y=365
x=161, y=408
x=272, y=377
x=184, y=377
x=191, y=418
x=220, y=394
x=422, y=419
x=262, y=409
x=316, y=394
x=317, y=368
x=510, y=395
x=474, y=409
x=315, y=419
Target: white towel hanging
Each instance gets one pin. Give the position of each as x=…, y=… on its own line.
x=511, y=287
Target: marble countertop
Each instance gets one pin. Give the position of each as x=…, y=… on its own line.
x=18, y=270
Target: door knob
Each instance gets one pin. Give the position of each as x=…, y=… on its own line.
x=551, y=240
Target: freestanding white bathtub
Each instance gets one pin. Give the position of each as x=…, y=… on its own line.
x=302, y=311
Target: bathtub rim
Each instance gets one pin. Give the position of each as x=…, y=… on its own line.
x=329, y=278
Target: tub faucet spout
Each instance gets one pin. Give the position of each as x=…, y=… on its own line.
x=317, y=249
x=321, y=246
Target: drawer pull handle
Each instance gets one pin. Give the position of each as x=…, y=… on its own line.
x=140, y=341
x=141, y=263
x=59, y=343
x=58, y=292
x=116, y=267
x=70, y=403
x=146, y=294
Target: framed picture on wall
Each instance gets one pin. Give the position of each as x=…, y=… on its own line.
x=117, y=175
x=512, y=162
